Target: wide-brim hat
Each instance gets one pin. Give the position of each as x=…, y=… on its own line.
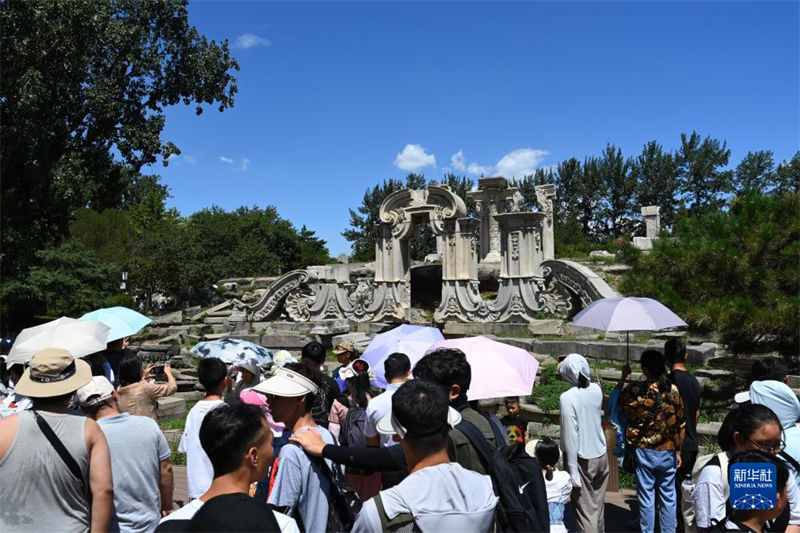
x=53, y=372
x=286, y=384
x=389, y=425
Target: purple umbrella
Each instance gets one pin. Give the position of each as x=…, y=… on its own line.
x=408, y=339
x=498, y=369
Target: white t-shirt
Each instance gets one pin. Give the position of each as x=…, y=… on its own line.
x=187, y=512
x=559, y=488
x=443, y=497
x=377, y=408
x=709, y=497
x=199, y=472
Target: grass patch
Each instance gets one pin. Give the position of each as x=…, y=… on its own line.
x=626, y=480
x=177, y=457
x=522, y=333
x=546, y=392
x=177, y=423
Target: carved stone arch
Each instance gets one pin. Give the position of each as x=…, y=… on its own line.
x=575, y=286
x=435, y=203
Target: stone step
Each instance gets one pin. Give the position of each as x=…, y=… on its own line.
x=191, y=396
x=218, y=307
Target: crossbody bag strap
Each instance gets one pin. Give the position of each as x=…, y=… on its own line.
x=72, y=465
x=477, y=440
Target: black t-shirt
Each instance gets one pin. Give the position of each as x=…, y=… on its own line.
x=689, y=389
x=234, y=512
x=516, y=433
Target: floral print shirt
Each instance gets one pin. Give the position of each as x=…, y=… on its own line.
x=655, y=419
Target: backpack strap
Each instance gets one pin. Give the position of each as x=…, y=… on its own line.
x=72, y=465
x=477, y=440
x=402, y=519
x=789, y=459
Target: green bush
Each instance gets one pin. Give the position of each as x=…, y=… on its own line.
x=120, y=300
x=549, y=387
x=735, y=272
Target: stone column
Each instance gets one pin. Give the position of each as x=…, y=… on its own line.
x=545, y=198
x=652, y=220
x=492, y=198
x=521, y=248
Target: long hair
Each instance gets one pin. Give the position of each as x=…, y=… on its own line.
x=358, y=386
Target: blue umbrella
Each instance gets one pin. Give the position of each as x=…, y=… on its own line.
x=233, y=351
x=123, y=322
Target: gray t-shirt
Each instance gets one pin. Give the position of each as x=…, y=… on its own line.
x=301, y=485
x=137, y=446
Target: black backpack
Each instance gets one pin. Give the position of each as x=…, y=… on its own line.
x=517, y=481
x=352, y=433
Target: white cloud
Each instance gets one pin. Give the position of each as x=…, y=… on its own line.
x=190, y=159
x=245, y=164
x=250, y=40
x=479, y=170
x=414, y=157
x=520, y=162
x=227, y=160
x=172, y=157
x=458, y=161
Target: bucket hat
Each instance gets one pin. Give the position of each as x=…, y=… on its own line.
x=53, y=372
x=287, y=384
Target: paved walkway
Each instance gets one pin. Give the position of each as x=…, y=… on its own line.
x=618, y=504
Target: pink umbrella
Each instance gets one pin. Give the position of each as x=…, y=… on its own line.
x=498, y=370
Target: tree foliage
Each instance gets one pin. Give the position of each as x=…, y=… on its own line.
x=735, y=272
x=82, y=100
x=656, y=175
x=702, y=180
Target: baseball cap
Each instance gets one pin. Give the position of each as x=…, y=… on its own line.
x=343, y=347
x=287, y=384
x=389, y=425
x=95, y=392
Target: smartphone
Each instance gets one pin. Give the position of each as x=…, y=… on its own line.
x=158, y=370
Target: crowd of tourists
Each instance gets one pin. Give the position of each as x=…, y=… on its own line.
x=297, y=449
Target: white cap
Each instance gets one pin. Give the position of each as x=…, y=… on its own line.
x=95, y=392
x=286, y=384
x=742, y=397
x=389, y=425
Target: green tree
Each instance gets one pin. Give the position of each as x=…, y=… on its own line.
x=734, y=272
x=68, y=280
x=313, y=250
x=702, y=181
x=527, y=187
x=619, y=186
x=787, y=177
x=110, y=235
x=755, y=172
x=656, y=175
x=82, y=100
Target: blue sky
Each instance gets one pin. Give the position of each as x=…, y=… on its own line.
x=334, y=97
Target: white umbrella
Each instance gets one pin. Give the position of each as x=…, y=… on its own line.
x=407, y=339
x=628, y=314
x=78, y=337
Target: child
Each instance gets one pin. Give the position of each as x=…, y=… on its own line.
x=753, y=520
x=512, y=422
x=212, y=374
x=557, y=483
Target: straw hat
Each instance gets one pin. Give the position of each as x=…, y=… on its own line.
x=53, y=372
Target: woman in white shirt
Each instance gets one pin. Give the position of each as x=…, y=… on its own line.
x=584, y=443
x=557, y=483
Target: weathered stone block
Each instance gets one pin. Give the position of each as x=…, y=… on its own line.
x=170, y=408
x=215, y=320
x=546, y=327
x=191, y=395
x=176, y=317
x=285, y=341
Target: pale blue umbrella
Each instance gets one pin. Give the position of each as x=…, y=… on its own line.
x=408, y=339
x=123, y=322
x=233, y=351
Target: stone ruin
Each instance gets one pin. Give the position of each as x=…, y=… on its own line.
x=518, y=246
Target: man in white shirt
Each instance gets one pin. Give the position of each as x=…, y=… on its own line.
x=397, y=368
x=238, y=442
x=437, y=495
x=213, y=376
